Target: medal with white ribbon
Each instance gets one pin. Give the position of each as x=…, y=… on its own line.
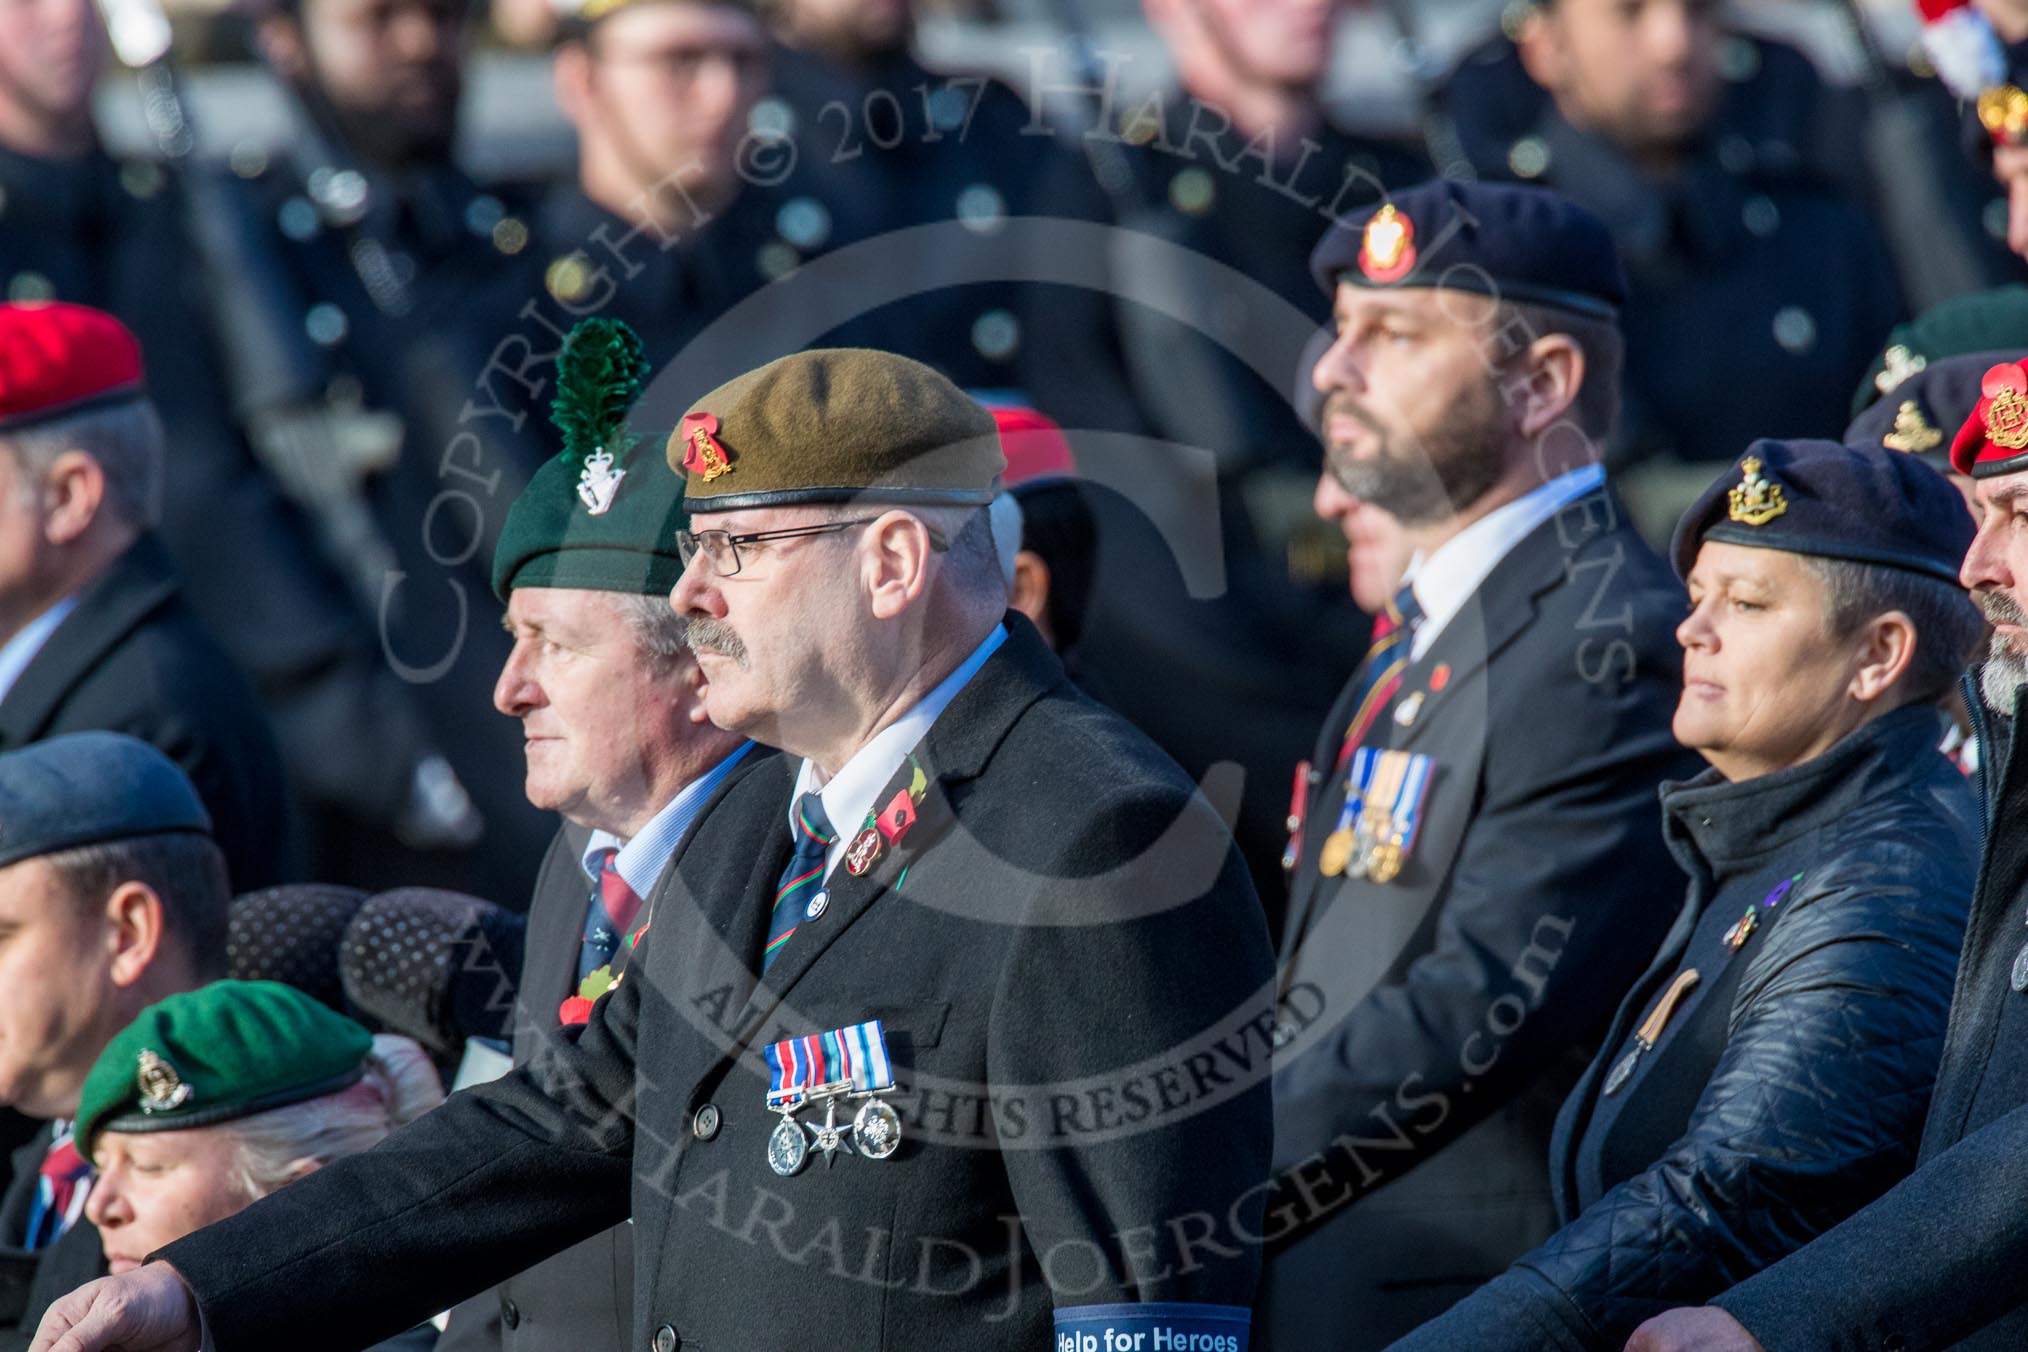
x=829, y=1067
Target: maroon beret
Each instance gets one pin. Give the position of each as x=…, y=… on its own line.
x=57, y=359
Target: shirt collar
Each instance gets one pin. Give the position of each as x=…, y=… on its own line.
x=848, y=796
x=640, y=861
x=1445, y=579
x=19, y=651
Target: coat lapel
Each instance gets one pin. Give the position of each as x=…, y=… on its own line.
x=1498, y=612
x=139, y=582
x=555, y=934
x=956, y=749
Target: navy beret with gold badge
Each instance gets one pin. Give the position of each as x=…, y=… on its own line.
x=1508, y=241
x=1925, y=409
x=1865, y=504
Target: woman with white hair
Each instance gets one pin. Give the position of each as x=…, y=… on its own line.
x=216, y=1097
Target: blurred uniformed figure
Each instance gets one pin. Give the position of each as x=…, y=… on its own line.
x=79, y=225
x=1481, y=798
x=1236, y=172
x=1760, y=289
x=96, y=632
x=899, y=145
x=679, y=210
x=374, y=236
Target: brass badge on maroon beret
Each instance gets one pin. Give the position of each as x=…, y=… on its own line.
x=1387, y=252
x=705, y=458
x=2006, y=412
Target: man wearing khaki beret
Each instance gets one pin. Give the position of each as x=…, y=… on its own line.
x=954, y=1033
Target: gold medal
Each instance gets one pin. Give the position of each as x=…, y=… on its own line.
x=1337, y=852
x=1387, y=860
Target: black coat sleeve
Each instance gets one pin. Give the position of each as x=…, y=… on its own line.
x=498, y=1178
x=1925, y=1266
x=1814, y=1107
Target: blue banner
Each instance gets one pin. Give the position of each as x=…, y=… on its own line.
x=1172, y=1327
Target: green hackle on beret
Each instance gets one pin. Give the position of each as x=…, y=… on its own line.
x=837, y=425
x=585, y=521
x=224, y=1051
x=598, y=378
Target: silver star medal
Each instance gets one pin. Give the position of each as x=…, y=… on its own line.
x=598, y=482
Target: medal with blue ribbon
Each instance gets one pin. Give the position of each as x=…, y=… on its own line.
x=828, y=1068
x=1338, y=853
x=1392, y=817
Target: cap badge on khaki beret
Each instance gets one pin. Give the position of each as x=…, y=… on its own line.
x=1387, y=252
x=1755, y=500
x=162, y=1089
x=705, y=457
x=1897, y=365
x=1912, y=431
x=2007, y=407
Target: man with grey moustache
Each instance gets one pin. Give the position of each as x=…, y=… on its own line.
x=1935, y=1262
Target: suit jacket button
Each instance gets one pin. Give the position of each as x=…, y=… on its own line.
x=705, y=1124
x=510, y=1314
x=665, y=1340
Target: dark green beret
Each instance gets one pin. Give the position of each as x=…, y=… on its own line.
x=223, y=1051
x=87, y=787
x=1979, y=322
x=552, y=538
x=603, y=515
x=837, y=425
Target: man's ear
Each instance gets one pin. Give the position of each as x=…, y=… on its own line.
x=895, y=554
x=1539, y=44
x=280, y=37
x=72, y=493
x=135, y=922
x=570, y=78
x=1031, y=591
x=1887, y=647
x=1552, y=372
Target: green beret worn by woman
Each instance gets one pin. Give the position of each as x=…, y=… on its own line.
x=214, y=1098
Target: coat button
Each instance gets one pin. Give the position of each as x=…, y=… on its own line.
x=510, y=1313
x=665, y=1340
x=705, y=1124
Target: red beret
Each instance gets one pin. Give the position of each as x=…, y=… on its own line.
x=57, y=359
x=1994, y=440
x=1034, y=445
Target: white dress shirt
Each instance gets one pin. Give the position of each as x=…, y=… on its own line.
x=1445, y=580
x=848, y=796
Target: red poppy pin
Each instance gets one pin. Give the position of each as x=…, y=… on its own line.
x=897, y=817
x=703, y=455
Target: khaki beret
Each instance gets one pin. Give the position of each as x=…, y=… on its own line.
x=837, y=425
